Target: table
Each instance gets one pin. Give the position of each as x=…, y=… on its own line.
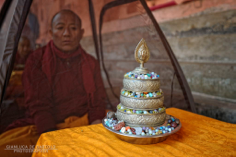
x=199, y=136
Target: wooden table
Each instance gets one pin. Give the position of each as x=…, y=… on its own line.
x=199, y=136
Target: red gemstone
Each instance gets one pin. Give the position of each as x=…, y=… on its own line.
x=173, y=124
x=132, y=129
x=117, y=127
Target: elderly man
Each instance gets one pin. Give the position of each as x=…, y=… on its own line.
x=62, y=83
x=61, y=79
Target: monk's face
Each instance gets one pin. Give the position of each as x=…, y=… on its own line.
x=24, y=47
x=66, y=32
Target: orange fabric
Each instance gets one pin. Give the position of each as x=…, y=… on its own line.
x=199, y=136
x=74, y=121
x=28, y=136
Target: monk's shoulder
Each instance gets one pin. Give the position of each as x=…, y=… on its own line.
x=91, y=58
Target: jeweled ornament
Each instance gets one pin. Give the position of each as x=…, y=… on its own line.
x=141, y=117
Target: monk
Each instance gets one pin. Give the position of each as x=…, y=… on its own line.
x=23, y=52
x=15, y=88
x=62, y=83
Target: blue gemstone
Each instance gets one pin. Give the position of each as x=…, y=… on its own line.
x=173, y=119
x=161, y=128
x=124, y=110
x=158, y=76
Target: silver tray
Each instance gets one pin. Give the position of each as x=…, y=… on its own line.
x=142, y=140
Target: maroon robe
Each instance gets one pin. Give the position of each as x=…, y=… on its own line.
x=58, y=85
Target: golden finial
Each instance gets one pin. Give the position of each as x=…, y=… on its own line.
x=142, y=53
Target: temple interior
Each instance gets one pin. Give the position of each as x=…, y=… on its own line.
x=201, y=34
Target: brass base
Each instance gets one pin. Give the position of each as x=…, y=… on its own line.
x=142, y=140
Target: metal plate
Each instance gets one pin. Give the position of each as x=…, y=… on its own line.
x=142, y=140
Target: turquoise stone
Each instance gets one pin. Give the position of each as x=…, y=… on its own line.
x=139, y=112
x=150, y=95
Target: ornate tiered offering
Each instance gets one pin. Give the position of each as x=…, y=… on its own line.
x=141, y=112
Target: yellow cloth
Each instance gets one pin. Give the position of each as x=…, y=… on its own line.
x=199, y=136
x=27, y=136
x=18, y=137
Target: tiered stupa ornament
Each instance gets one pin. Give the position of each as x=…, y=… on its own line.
x=141, y=99
x=141, y=116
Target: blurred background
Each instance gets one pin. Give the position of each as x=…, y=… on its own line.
x=201, y=33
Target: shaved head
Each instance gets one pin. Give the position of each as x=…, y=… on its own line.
x=66, y=31
x=68, y=12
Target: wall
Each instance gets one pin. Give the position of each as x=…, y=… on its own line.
x=1, y=3
x=203, y=39
x=203, y=42
x=201, y=34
